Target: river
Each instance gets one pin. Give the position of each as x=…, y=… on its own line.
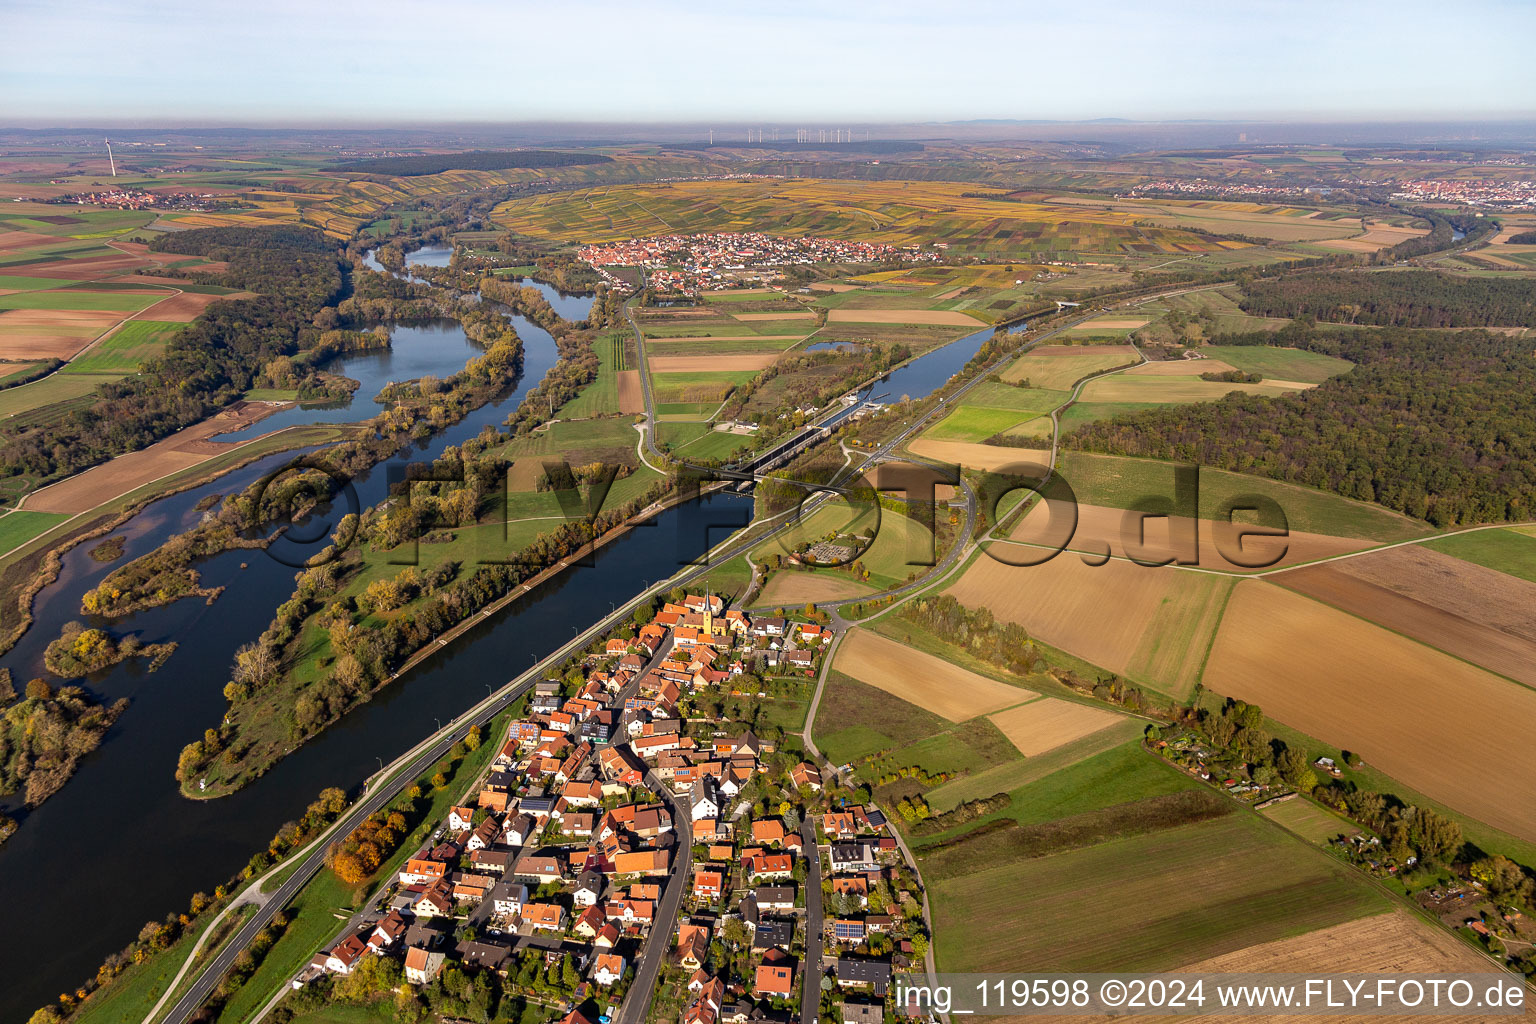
x=119, y=845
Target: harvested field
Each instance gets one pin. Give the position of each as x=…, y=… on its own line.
x=694, y=339
x=1175, y=895
x=710, y=364
x=921, y=679
x=1101, y=529
x=935, y=317
x=794, y=589
x=1309, y=821
x=1151, y=624
x=1047, y=723
x=973, y=455
x=13, y=240
x=88, y=489
x=85, y=269
x=524, y=474
x=797, y=314
x=1418, y=715
x=185, y=307
x=1379, y=236
x=1122, y=387
x=1110, y=324
x=824, y=286
x=1061, y=366
x=631, y=397
x=1180, y=368
x=1467, y=610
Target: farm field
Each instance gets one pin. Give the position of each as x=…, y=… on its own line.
x=1280, y=223
x=795, y=589
x=994, y=408
x=1164, y=389
x=701, y=441
x=1476, y=613
x=896, y=212
x=1509, y=551
x=1017, y=774
x=1048, y=723
x=1393, y=943
x=857, y=723
x=1309, y=821
x=125, y=348
x=921, y=679
x=603, y=396
x=1058, y=367
x=188, y=447
x=1152, y=624
x=1277, y=363
x=49, y=392
x=1414, y=713
x=1118, y=482
x=974, y=455
x=1120, y=533
x=1178, y=895
x=18, y=527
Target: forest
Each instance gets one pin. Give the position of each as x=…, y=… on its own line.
x=1434, y=424
x=205, y=367
x=477, y=160
x=1523, y=238
x=1409, y=298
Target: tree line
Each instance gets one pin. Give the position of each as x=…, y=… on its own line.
x=1437, y=425
x=475, y=160
x=1398, y=299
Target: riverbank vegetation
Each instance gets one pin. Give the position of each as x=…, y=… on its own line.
x=79, y=650
x=45, y=733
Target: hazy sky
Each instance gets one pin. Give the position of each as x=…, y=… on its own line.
x=392, y=61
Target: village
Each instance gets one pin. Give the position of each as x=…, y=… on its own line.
x=628, y=856
x=716, y=260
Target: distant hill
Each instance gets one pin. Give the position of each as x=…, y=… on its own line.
x=478, y=160
x=877, y=146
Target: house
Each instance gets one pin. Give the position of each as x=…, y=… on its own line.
x=848, y=930
x=345, y=955
x=461, y=819
x=589, y=888
x=839, y=825
x=507, y=898
x=390, y=930
x=806, y=775
x=769, y=831
x=471, y=887
x=692, y=945
x=775, y=897
x=607, y=969
x=485, y=835
x=422, y=965
x=850, y=857
x=774, y=981
x=589, y=923
x=642, y=862
x=519, y=830
x=436, y=901
x=418, y=871
x=537, y=867
x=773, y=933
x=861, y=1013
x=549, y=917
x=760, y=864
x=852, y=885
x=707, y=885
x=857, y=973
x=495, y=862
x=489, y=955
x=704, y=1007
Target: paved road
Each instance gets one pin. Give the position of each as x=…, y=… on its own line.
x=815, y=926
x=647, y=966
